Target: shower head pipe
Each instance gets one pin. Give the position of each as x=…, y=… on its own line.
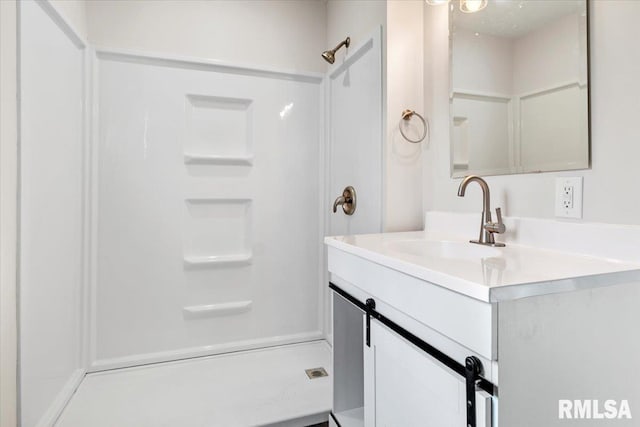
x=330, y=55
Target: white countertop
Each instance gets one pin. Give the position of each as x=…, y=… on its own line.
x=486, y=273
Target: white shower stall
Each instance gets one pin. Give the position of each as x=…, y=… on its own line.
x=208, y=231
x=174, y=207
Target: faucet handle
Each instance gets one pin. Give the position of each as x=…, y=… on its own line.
x=496, y=227
x=499, y=215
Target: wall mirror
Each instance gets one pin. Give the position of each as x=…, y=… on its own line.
x=519, y=98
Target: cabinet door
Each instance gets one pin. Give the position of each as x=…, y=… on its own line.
x=405, y=387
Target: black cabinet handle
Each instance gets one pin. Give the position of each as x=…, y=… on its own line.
x=472, y=372
x=370, y=306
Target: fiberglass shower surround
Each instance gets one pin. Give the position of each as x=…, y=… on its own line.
x=180, y=198
x=192, y=184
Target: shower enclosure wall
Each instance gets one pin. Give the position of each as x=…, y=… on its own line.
x=208, y=231
x=170, y=208
x=53, y=267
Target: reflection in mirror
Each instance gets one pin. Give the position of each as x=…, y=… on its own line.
x=519, y=90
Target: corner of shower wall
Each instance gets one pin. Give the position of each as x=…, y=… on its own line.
x=53, y=211
x=354, y=117
x=8, y=214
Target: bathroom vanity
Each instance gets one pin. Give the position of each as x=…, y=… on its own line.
x=431, y=330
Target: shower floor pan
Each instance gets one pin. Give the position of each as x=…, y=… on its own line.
x=267, y=387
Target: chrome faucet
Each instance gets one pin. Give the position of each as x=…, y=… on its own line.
x=487, y=227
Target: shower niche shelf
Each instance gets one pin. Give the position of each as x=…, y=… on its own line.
x=205, y=159
x=219, y=131
x=217, y=233
x=215, y=310
x=207, y=261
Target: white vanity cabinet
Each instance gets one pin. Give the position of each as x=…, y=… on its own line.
x=542, y=329
x=386, y=375
x=408, y=387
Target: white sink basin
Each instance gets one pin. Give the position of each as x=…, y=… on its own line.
x=483, y=272
x=443, y=249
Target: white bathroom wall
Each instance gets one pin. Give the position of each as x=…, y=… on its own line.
x=360, y=21
x=355, y=155
x=354, y=115
x=356, y=19
x=548, y=140
x=275, y=33
x=481, y=102
x=483, y=63
x=8, y=213
x=557, y=46
x=208, y=218
x=52, y=212
x=404, y=88
x=355, y=145
x=608, y=189
x=268, y=35
x=402, y=26
x=74, y=12
x=482, y=133
x=289, y=35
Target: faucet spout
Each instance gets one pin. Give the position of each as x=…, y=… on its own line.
x=486, y=196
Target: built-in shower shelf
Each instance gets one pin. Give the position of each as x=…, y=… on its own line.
x=206, y=261
x=202, y=159
x=213, y=310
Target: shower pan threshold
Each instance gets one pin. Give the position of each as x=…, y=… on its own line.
x=265, y=387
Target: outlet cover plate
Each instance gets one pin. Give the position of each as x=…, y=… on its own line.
x=568, y=197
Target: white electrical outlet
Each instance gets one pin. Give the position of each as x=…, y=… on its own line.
x=569, y=197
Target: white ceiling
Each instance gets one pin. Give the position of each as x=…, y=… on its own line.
x=514, y=18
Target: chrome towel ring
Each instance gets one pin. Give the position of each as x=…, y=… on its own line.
x=406, y=115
